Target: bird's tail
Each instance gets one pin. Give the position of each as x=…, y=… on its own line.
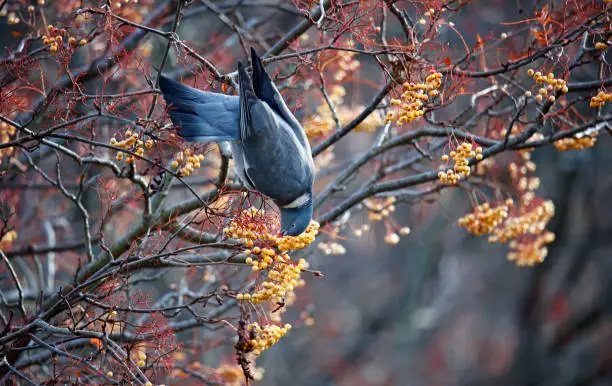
x=262, y=84
x=200, y=115
x=248, y=100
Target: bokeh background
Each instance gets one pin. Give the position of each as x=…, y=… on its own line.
x=442, y=307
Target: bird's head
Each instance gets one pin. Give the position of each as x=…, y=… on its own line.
x=294, y=221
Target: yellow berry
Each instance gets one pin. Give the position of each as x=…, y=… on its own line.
x=392, y=238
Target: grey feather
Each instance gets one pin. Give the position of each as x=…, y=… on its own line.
x=266, y=90
x=200, y=115
x=282, y=171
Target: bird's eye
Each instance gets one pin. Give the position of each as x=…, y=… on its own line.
x=292, y=225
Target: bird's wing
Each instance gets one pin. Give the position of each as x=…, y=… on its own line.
x=200, y=115
x=266, y=91
x=256, y=118
x=240, y=165
x=277, y=164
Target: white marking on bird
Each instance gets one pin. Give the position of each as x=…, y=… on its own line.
x=298, y=202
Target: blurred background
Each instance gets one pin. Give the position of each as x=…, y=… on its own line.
x=441, y=307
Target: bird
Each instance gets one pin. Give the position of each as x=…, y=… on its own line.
x=270, y=149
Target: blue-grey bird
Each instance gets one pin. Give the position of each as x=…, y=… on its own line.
x=270, y=149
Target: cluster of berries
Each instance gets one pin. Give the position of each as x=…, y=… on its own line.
x=601, y=46
x=523, y=226
x=55, y=39
x=460, y=157
x=410, y=104
x=6, y=132
x=266, y=337
x=532, y=251
x=188, y=162
x=142, y=358
x=600, y=99
x=264, y=257
x=332, y=248
x=549, y=84
x=283, y=277
x=130, y=143
x=361, y=230
x=252, y=225
x=575, y=143
x=301, y=241
x=531, y=222
x=485, y=219
x=379, y=209
x=12, y=18
x=283, y=274
x=393, y=238
x=520, y=176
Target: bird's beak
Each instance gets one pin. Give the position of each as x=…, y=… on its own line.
x=283, y=233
